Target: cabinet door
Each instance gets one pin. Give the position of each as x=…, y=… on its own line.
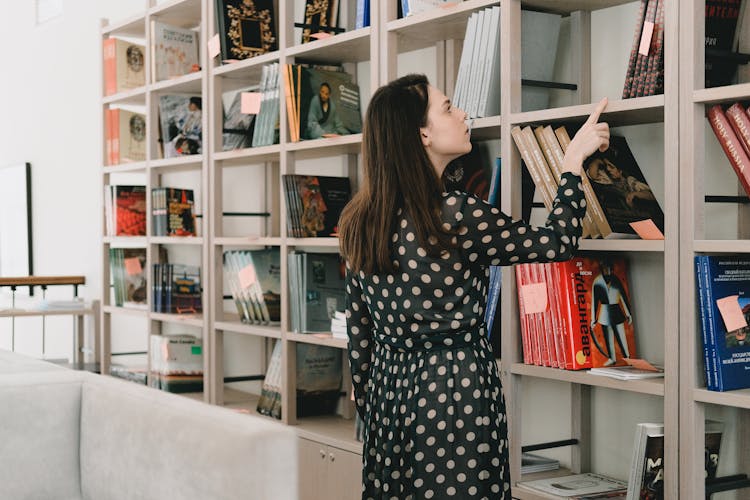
x=344, y=475
x=313, y=463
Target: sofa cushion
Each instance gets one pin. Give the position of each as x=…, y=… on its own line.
x=140, y=443
x=12, y=362
x=39, y=435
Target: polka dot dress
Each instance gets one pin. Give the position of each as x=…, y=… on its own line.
x=425, y=379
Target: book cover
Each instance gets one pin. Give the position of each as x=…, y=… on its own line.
x=731, y=144
x=621, y=189
x=130, y=210
x=652, y=484
x=268, y=271
x=329, y=103
x=180, y=212
x=174, y=51
x=319, y=202
x=185, y=290
x=721, y=23
x=319, y=17
x=323, y=290
x=727, y=285
x=180, y=117
x=129, y=137
x=576, y=484
x=237, y=132
x=123, y=65
x=246, y=28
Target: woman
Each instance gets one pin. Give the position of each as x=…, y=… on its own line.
x=425, y=380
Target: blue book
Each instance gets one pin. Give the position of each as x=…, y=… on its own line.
x=725, y=278
x=363, y=14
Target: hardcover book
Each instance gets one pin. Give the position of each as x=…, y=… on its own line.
x=622, y=190
x=246, y=28
x=123, y=65
x=180, y=117
x=315, y=204
x=721, y=23
x=126, y=136
x=174, y=51
x=731, y=143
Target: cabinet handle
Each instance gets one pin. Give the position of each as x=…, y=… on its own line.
x=322, y=454
x=332, y=457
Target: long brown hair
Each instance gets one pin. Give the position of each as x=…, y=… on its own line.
x=397, y=174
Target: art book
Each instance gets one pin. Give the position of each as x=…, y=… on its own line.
x=322, y=290
x=123, y=65
x=315, y=204
x=321, y=16
x=724, y=304
x=622, y=190
x=246, y=28
x=126, y=136
x=181, y=121
x=174, y=51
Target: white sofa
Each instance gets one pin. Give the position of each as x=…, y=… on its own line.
x=76, y=435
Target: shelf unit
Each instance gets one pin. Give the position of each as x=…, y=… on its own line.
x=705, y=171
x=155, y=171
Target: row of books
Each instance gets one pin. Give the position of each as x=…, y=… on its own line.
x=321, y=101
x=576, y=314
x=732, y=129
x=617, y=193
x=645, y=74
x=176, y=363
x=176, y=289
x=314, y=204
x=126, y=266
x=181, y=124
x=125, y=136
x=172, y=211
x=723, y=286
x=174, y=53
x=316, y=290
x=255, y=124
x=319, y=372
x=254, y=279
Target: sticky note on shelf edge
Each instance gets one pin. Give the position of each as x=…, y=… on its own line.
x=534, y=296
x=250, y=103
x=641, y=364
x=731, y=313
x=320, y=35
x=647, y=230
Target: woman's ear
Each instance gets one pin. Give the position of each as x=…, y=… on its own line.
x=424, y=133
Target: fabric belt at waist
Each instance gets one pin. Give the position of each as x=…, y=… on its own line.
x=453, y=340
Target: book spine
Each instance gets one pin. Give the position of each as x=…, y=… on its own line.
x=525, y=340
x=115, y=117
x=731, y=145
x=110, y=66
x=634, y=51
x=641, y=60
x=740, y=122
x=715, y=361
x=703, y=305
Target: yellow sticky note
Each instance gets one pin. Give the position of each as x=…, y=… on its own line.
x=731, y=313
x=647, y=230
x=133, y=266
x=641, y=364
x=214, y=46
x=534, y=296
x=247, y=276
x=250, y=103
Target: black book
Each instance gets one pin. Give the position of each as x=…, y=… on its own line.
x=246, y=28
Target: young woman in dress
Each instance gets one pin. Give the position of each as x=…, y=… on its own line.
x=425, y=379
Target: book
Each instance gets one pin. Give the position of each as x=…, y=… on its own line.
x=181, y=125
x=315, y=204
x=319, y=377
x=173, y=212
x=531, y=463
x=125, y=210
x=731, y=144
x=129, y=279
x=573, y=486
x=627, y=372
x=622, y=190
x=123, y=65
x=174, y=51
x=267, y=265
x=724, y=294
x=246, y=28
x=126, y=136
x=630, y=75
x=720, y=24
x=237, y=131
x=319, y=17
x=362, y=18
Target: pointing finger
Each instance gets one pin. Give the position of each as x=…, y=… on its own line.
x=594, y=116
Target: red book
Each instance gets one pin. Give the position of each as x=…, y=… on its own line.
x=731, y=145
x=740, y=122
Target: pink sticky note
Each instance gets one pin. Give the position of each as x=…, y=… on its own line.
x=648, y=30
x=214, y=46
x=534, y=296
x=247, y=276
x=250, y=103
x=448, y=5
x=320, y=35
x=641, y=364
x=647, y=230
x=133, y=266
x=731, y=313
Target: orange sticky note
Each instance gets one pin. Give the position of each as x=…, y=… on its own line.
x=214, y=46
x=133, y=266
x=320, y=35
x=247, y=276
x=448, y=5
x=641, y=364
x=647, y=230
x=250, y=103
x=648, y=31
x=534, y=297
x=731, y=313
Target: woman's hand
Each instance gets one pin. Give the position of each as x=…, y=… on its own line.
x=590, y=137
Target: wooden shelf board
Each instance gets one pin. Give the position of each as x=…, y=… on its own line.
x=330, y=429
x=132, y=27
x=248, y=70
x=486, y=128
x=42, y=280
x=729, y=93
x=188, y=162
x=273, y=332
x=186, y=83
x=325, y=339
x=247, y=241
x=195, y=320
x=133, y=97
x=321, y=148
x=128, y=311
x=737, y=399
x=126, y=241
x=176, y=240
x=352, y=46
x=624, y=245
x=434, y=25
x=619, y=112
x=329, y=242
x=246, y=156
x=8, y=313
x=182, y=13
x=654, y=387
x=722, y=246
x=136, y=167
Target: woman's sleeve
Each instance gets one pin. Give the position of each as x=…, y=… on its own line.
x=359, y=331
x=489, y=237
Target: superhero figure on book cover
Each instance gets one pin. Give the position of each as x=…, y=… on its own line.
x=610, y=308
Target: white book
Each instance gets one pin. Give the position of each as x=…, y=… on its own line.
x=174, y=51
x=627, y=372
x=540, y=32
x=465, y=63
x=637, y=464
x=577, y=484
x=476, y=65
x=489, y=97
